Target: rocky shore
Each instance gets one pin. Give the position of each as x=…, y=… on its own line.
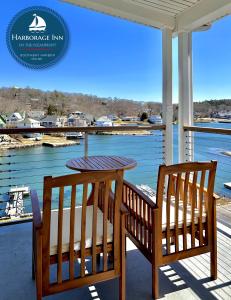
x=8, y=142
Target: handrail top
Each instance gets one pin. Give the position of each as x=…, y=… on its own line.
x=208, y=130
x=80, y=129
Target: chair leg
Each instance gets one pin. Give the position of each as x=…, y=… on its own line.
x=33, y=266
x=213, y=264
x=122, y=279
x=213, y=253
x=155, y=282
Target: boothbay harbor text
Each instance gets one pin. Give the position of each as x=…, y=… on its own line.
x=51, y=37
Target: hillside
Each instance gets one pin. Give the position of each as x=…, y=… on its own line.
x=20, y=99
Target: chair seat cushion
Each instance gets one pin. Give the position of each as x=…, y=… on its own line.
x=77, y=229
x=152, y=196
x=180, y=215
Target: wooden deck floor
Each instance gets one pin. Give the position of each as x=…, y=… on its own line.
x=186, y=280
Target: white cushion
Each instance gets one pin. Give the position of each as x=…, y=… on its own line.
x=180, y=214
x=77, y=229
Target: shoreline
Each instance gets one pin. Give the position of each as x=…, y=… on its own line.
x=46, y=141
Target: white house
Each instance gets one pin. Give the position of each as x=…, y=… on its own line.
x=103, y=121
x=76, y=122
x=14, y=118
x=30, y=123
x=53, y=121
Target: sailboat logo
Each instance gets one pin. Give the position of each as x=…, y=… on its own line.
x=38, y=24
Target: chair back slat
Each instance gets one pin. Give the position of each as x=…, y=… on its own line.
x=185, y=207
x=72, y=232
x=60, y=234
x=201, y=200
x=105, y=223
x=83, y=229
x=187, y=202
x=169, y=193
x=94, y=226
x=176, y=221
x=193, y=206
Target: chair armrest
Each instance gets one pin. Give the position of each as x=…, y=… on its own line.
x=140, y=194
x=37, y=219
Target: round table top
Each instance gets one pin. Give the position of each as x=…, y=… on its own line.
x=101, y=163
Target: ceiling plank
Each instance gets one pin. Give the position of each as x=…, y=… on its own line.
x=129, y=11
x=205, y=12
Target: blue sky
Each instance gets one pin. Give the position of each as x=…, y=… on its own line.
x=111, y=57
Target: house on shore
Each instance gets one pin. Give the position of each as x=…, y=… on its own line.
x=53, y=121
x=14, y=119
x=30, y=123
x=74, y=121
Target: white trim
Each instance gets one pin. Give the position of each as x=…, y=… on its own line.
x=167, y=94
x=185, y=109
x=205, y=12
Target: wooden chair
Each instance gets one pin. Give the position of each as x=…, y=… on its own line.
x=78, y=232
x=183, y=216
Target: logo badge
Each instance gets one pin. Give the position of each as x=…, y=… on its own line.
x=37, y=37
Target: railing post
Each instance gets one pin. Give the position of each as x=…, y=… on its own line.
x=185, y=109
x=86, y=145
x=167, y=94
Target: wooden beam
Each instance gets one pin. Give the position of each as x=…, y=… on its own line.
x=130, y=11
x=204, y=12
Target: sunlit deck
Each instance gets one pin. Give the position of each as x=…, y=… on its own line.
x=186, y=279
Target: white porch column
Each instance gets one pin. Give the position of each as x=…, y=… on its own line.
x=167, y=94
x=185, y=109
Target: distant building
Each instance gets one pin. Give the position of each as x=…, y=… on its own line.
x=36, y=114
x=14, y=118
x=30, y=123
x=77, y=114
x=53, y=121
x=155, y=119
x=76, y=122
x=103, y=121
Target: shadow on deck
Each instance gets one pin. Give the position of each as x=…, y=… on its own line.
x=188, y=279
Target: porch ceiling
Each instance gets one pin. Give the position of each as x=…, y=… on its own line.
x=178, y=15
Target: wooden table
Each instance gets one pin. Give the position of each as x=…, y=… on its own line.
x=100, y=163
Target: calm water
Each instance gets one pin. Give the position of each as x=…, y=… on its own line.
x=32, y=164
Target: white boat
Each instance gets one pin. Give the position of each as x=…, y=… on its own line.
x=74, y=135
x=227, y=185
x=155, y=119
x=17, y=189
x=38, y=24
